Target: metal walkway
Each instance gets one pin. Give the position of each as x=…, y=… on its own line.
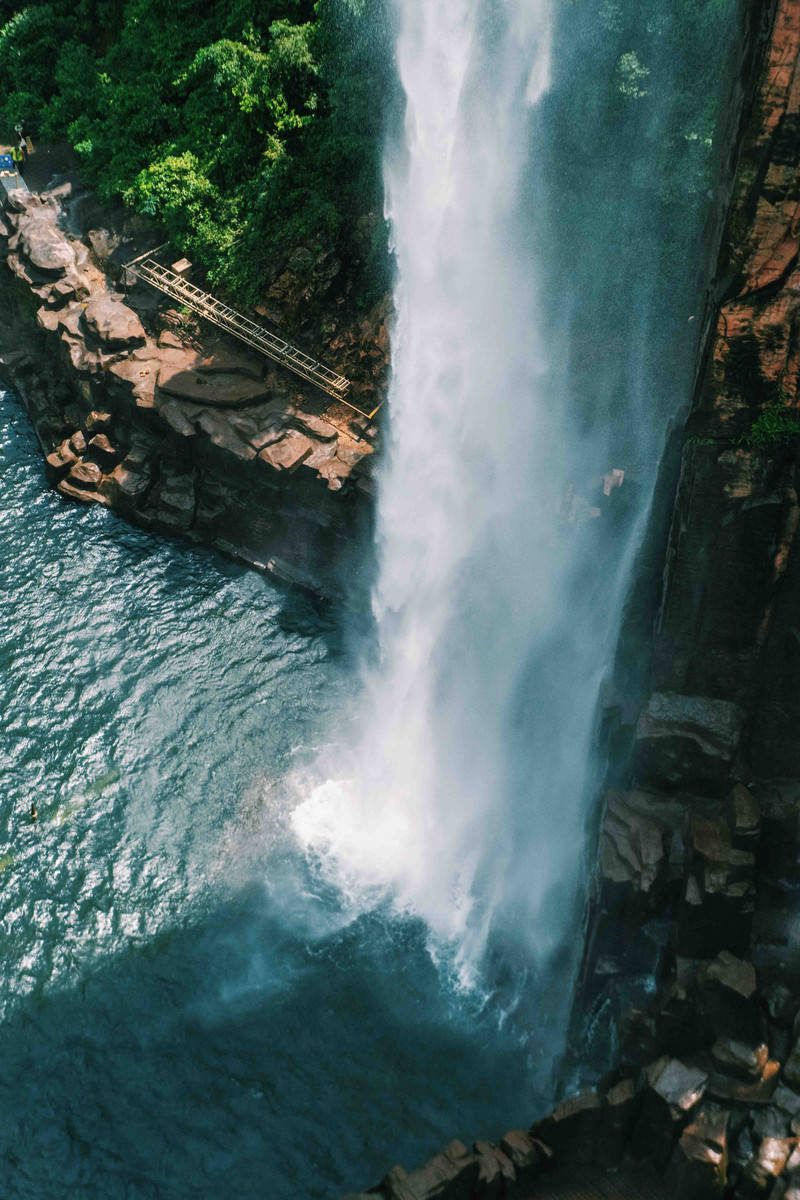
x=254, y=335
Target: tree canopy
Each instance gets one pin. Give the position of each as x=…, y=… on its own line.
x=245, y=126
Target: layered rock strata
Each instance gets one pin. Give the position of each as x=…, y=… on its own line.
x=179, y=429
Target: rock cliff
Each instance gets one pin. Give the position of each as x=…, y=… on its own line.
x=177, y=428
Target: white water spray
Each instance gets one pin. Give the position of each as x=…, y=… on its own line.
x=463, y=802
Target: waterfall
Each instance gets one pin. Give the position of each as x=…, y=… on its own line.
x=463, y=800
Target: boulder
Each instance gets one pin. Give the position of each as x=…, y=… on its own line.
x=571, y=1130
x=769, y=1160
x=698, y=1167
x=496, y=1173
x=288, y=453
x=221, y=389
x=727, y=997
x=527, y=1154
x=671, y=1091
x=102, y=452
x=687, y=741
x=45, y=247
x=85, y=475
x=451, y=1175
x=112, y=324
x=224, y=437
x=740, y=1060
x=62, y=458
x=619, y=1113
x=98, y=422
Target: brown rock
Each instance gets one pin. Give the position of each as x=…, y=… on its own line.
x=739, y=1059
x=98, y=422
x=62, y=458
x=84, y=495
x=496, y=1173
x=698, y=1167
x=288, y=453
x=769, y=1161
x=102, y=452
x=126, y=486
x=528, y=1155
x=78, y=442
x=451, y=1175
x=224, y=436
x=44, y=246
x=85, y=475
x=221, y=389
x=113, y=324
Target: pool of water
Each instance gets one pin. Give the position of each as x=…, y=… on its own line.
x=184, y=1012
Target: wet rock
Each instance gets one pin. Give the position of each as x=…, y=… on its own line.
x=618, y=1118
x=634, y=843
x=571, y=1130
x=769, y=1160
x=451, y=1175
x=698, y=1167
x=496, y=1173
x=528, y=1155
x=62, y=458
x=85, y=475
x=176, y=502
x=672, y=1090
x=689, y=741
x=739, y=1059
x=727, y=989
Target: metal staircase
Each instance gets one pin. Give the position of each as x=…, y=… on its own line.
x=254, y=335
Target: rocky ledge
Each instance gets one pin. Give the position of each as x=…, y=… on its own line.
x=179, y=429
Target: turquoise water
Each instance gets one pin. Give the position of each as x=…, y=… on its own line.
x=183, y=1015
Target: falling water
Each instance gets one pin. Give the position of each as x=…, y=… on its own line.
x=464, y=799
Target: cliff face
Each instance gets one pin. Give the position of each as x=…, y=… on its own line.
x=139, y=409
x=692, y=948
x=689, y=993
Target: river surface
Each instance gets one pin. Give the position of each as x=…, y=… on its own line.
x=183, y=1015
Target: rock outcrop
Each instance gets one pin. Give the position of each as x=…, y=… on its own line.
x=179, y=429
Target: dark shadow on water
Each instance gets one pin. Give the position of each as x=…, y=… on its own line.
x=228, y=1058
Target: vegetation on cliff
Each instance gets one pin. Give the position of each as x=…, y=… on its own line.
x=246, y=126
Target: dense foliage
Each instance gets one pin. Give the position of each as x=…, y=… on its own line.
x=246, y=126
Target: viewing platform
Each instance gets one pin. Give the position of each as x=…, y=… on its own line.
x=177, y=287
